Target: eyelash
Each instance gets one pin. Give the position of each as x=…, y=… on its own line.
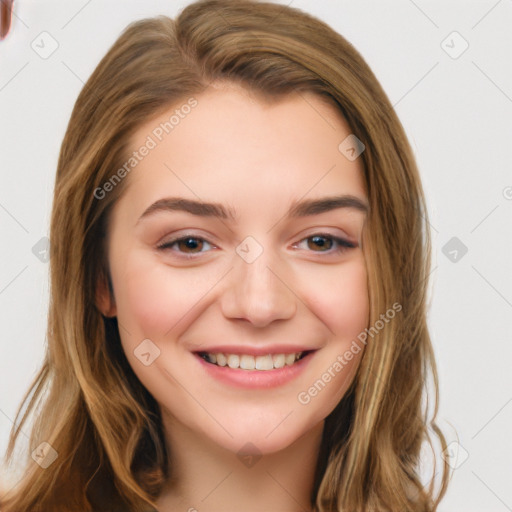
x=344, y=245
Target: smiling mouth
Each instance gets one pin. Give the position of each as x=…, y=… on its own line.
x=250, y=362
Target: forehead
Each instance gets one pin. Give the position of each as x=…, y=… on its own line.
x=235, y=146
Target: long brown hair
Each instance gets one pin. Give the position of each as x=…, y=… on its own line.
x=103, y=425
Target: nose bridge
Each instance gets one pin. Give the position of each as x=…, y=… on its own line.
x=256, y=278
x=256, y=291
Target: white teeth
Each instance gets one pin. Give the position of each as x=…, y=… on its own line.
x=233, y=361
x=289, y=359
x=279, y=360
x=265, y=362
x=221, y=359
x=249, y=362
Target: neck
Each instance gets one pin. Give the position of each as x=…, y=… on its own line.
x=205, y=477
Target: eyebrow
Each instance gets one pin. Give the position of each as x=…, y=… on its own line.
x=303, y=208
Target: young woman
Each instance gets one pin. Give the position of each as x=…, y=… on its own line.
x=239, y=263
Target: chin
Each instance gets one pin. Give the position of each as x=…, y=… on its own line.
x=261, y=433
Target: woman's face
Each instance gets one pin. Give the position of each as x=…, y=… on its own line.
x=261, y=275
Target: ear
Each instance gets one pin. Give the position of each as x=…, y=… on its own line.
x=105, y=300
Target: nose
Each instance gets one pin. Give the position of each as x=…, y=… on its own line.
x=258, y=292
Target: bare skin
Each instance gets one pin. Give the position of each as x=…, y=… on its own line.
x=233, y=447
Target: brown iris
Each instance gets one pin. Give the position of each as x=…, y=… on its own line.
x=323, y=242
x=190, y=243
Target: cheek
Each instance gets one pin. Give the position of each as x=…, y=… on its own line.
x=346, y=314
x=342, y=301
x=151, y=299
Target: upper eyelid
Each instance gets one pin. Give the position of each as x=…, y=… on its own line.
x=341, y=238
x=173, y=240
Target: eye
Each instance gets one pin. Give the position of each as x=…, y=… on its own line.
x=191, y=245
x=326, y=242
x=188, y=245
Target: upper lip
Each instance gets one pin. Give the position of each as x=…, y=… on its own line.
x=254, y=351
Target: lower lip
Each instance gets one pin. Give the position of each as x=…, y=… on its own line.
x=254, y=379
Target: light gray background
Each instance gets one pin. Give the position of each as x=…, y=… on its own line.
x=457, y=113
